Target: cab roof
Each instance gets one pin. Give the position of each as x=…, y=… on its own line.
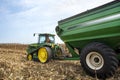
x=40, y=34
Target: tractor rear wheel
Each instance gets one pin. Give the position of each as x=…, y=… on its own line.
x=99, y=60
x=44, y=54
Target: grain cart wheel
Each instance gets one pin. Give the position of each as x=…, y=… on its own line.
x=98, y=60
x=29, y=57
x=44, y=54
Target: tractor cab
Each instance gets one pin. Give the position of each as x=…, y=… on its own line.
x=46, y=38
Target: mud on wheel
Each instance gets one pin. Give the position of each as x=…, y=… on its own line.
x=60, y=53
x=99, y=60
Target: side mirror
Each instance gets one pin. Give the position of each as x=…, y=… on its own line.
x=34, y=34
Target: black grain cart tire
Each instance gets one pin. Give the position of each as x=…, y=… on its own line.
x=44, y=54
x=99, y=60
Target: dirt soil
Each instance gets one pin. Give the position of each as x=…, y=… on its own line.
x=15, y=66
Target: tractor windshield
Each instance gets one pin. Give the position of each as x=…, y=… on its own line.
x=46, y=39
x=42, y=39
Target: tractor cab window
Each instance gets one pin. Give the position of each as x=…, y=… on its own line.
x=46, y=39
x=52, y=40
x=49, y=39
x=42, y=39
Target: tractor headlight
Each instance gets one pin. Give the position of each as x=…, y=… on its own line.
x=52, y=45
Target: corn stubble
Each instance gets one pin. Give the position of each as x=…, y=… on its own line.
x=14, y=66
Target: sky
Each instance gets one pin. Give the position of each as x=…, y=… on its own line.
x=19, y=19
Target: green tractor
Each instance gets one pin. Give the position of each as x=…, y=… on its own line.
x=45, y=49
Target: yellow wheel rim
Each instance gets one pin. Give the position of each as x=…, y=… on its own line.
x=29, y=57
x=42, y=55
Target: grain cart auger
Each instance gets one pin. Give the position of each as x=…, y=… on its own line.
x=96, y=34
x=45, y=49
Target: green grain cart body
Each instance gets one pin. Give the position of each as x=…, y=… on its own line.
x=99, y=24
x=94, y=28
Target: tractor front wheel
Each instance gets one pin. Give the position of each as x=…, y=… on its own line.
x=44, y=54
x=30, y=57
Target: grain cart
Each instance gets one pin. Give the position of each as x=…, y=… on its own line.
x=45, y=49
x=96, y=34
